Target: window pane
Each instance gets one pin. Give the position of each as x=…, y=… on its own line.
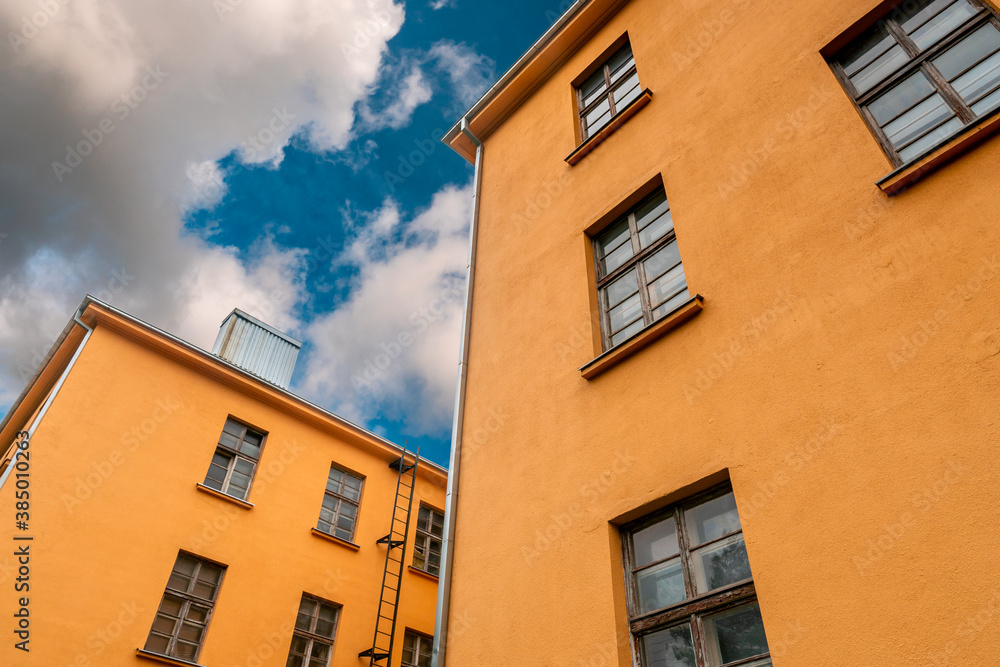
x=941, y=25
x=666, y=288
x=185, y=650
x=593, y=88
x=864, y=50
x=303, y=620
x=612, y=238
x=660, y=586
x=902, y=97
x=251, y=445
x=229, y=440
x=671, y=647
x=628, y=331
x=655, y=543
x=969, y=51
x=164, y=624
x=980, y=80
x=626, y=92
x=621, y=62
x=663, y=261
x=599, y=116
x=880, y=70
x=622, y=315
x=931, y=139
x=623, y=288
x=917, y=121
x=656, y=230
x=233, y=427
x=157, y=644
x=915, y=13
x=720, y=565
x=190, y=633
x=617, y=257
x=670, y=305
x=713, y=519
x=736, y=634
x=987, y=104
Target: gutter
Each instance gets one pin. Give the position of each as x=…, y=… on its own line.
x=55, y=389
x=462, y=127
x=439, y=647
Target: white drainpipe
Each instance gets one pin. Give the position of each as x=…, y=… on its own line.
x=51, y=398
x=454, y=467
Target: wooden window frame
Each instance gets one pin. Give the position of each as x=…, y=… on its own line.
x=609, y=95
x=234, y=455
x=421, y=639
x=342, y=499
x=187, y=600
x=310, y=635
x=695, y=607
x=918, y=62
x=424, y=538
x=639, y=256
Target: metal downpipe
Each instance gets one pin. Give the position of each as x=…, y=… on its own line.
x=439, y=648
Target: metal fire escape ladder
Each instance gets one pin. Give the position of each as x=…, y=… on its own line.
x=392, y=576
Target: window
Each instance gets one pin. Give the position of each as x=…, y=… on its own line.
x=416, y=650
x=235, y=460
x=692, y=601
x=608, y=91
x=339, y=513
x=312, y=640
x=924, y=72
x=639, y=273
x=179, y=627
x=427, y=551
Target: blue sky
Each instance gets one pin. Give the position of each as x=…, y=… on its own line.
x=293, y=170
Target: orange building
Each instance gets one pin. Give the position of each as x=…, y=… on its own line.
x=736, y=274
x=174, y=506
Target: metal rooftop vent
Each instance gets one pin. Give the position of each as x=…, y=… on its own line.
x=257, y=348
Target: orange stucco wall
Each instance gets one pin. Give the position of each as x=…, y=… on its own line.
x=113, y=499
x=844, y=371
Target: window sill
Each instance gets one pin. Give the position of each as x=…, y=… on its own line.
x=224, y=496
x=166, y=660
x=651, y=333
x=426, y=575
x=336, y=540
x=593, y=142
x=910, y=173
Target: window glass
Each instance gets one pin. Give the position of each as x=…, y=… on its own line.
x=721, y=564
x=661, y=585
x=941, y=25
x=671, y=647
x=655, y=543
x=734, y=635
x=712, y=520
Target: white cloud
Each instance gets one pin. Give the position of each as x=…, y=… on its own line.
x=469, y=72
x=208, y=185
x=441, y=4
x=138, y=100
x=392, y=348
x=410, y=92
